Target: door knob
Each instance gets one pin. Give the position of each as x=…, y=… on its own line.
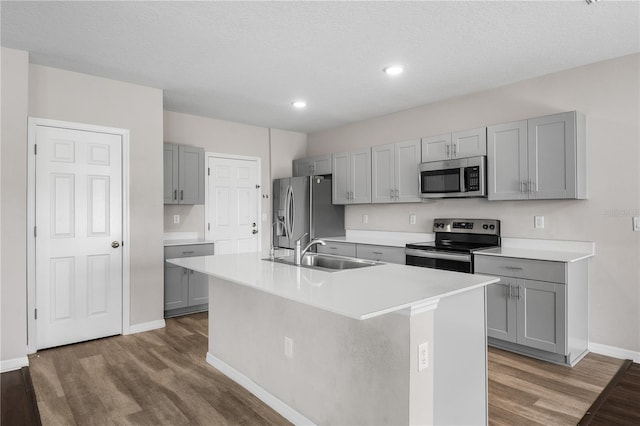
x=255, y=231
x=115, y=244
x=254, y=224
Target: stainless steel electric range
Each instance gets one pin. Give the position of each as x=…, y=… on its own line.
x=455, y=242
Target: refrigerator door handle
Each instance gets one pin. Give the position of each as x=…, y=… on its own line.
x=292, y=210
x=286, y=213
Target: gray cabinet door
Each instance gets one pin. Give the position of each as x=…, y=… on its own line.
x=176, y=287
x=198, y=289
x=541, y=315
x=469, y=143
x=360, y=176
x=501, y=310
x=507, y=168
x=340, y=179
x=170, y=173
x=407, y=158
x=552, y=156
x=383, y=187
x=302, y=167
x=321, y=165
x=436, y=148
x=191, y=175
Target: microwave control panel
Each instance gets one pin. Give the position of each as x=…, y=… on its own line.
x=472, y=177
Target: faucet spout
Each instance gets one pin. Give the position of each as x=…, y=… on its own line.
x=306, y=249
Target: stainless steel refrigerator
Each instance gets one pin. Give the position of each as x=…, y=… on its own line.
x=303, y=204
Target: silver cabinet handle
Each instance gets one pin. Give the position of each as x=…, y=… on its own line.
x=455, y=149
x=391, y=193
x=532, y=186
x=513, y=268
x=521, y=186
x=333, y=248
x=376, y=252
x=447, y=149
x=188, y=252
x=175, y=194
x=181, y=194
x=510, y=295
x=397, y=193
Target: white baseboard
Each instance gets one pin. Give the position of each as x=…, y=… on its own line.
x=614, y=352
x=13, y=364
x=261, y=393
x=146, y=326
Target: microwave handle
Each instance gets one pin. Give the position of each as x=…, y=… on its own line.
x=463, y=187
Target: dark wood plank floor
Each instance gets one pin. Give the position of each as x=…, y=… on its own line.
x=161, y=377
x=18, y=403
x=619, y=404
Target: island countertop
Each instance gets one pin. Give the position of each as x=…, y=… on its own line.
x=360, y=293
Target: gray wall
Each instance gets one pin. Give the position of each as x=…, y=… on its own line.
x=13, y=223
x=608, y=93
x=226, y=137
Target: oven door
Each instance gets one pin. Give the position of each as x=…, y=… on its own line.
x=448, y=261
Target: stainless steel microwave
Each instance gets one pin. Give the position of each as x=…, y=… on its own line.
x=464, y=177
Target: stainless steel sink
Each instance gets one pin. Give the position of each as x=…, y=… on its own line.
x=327, y=262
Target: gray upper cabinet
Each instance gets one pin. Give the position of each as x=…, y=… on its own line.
x=540, y=158
x=463, y=144
x=394, y=172
x=352, y=177
x=183, y=174
x=320, y=165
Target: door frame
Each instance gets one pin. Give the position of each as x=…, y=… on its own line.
x=33, y=122
x=207, y=156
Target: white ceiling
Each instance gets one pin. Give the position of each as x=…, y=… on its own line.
x=246, y=61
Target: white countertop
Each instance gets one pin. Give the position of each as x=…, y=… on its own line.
x=521, y=253
x=382, y=238
x=183, y=238
x=356, y=293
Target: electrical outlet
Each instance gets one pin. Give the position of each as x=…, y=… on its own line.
x=538, y=222
x=288, y=347
x=423, y=356
x=412, y=219
x=365, y=218
x=636, y=223
x=176, y=218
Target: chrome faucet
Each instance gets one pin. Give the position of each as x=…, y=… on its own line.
x=299, y=253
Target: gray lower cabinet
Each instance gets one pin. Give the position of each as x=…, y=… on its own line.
x=183, y=174
x=185, y=291
x=381, y=253
x=538, y=308
x=339, y=249
x=378, y=253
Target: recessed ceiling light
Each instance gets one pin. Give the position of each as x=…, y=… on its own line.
x=299, y=104
x=393, y=69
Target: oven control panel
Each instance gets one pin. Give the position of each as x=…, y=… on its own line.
x=469, y=226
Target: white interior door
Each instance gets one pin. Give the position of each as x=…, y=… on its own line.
x=78, y=244
x=232, y=204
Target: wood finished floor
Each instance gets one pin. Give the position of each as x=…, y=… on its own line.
x=160, y=377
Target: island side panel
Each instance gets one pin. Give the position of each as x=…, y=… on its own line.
x=343, y=371
x=460, y=360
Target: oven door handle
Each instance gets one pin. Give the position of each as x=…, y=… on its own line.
x=438, y=255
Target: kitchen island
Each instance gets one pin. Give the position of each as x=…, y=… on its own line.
x=385, y=344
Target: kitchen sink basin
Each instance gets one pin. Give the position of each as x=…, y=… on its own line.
x=327, y=262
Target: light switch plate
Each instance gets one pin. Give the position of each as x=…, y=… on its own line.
x=538, y=222
x=365, y=218
x=412, y=219
x=636, y=223
x=176, y=218
x=288, y=347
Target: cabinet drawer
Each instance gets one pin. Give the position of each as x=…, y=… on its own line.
x=381, y=253
x=340, y=249
x=540, y=270
x=188, y=250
